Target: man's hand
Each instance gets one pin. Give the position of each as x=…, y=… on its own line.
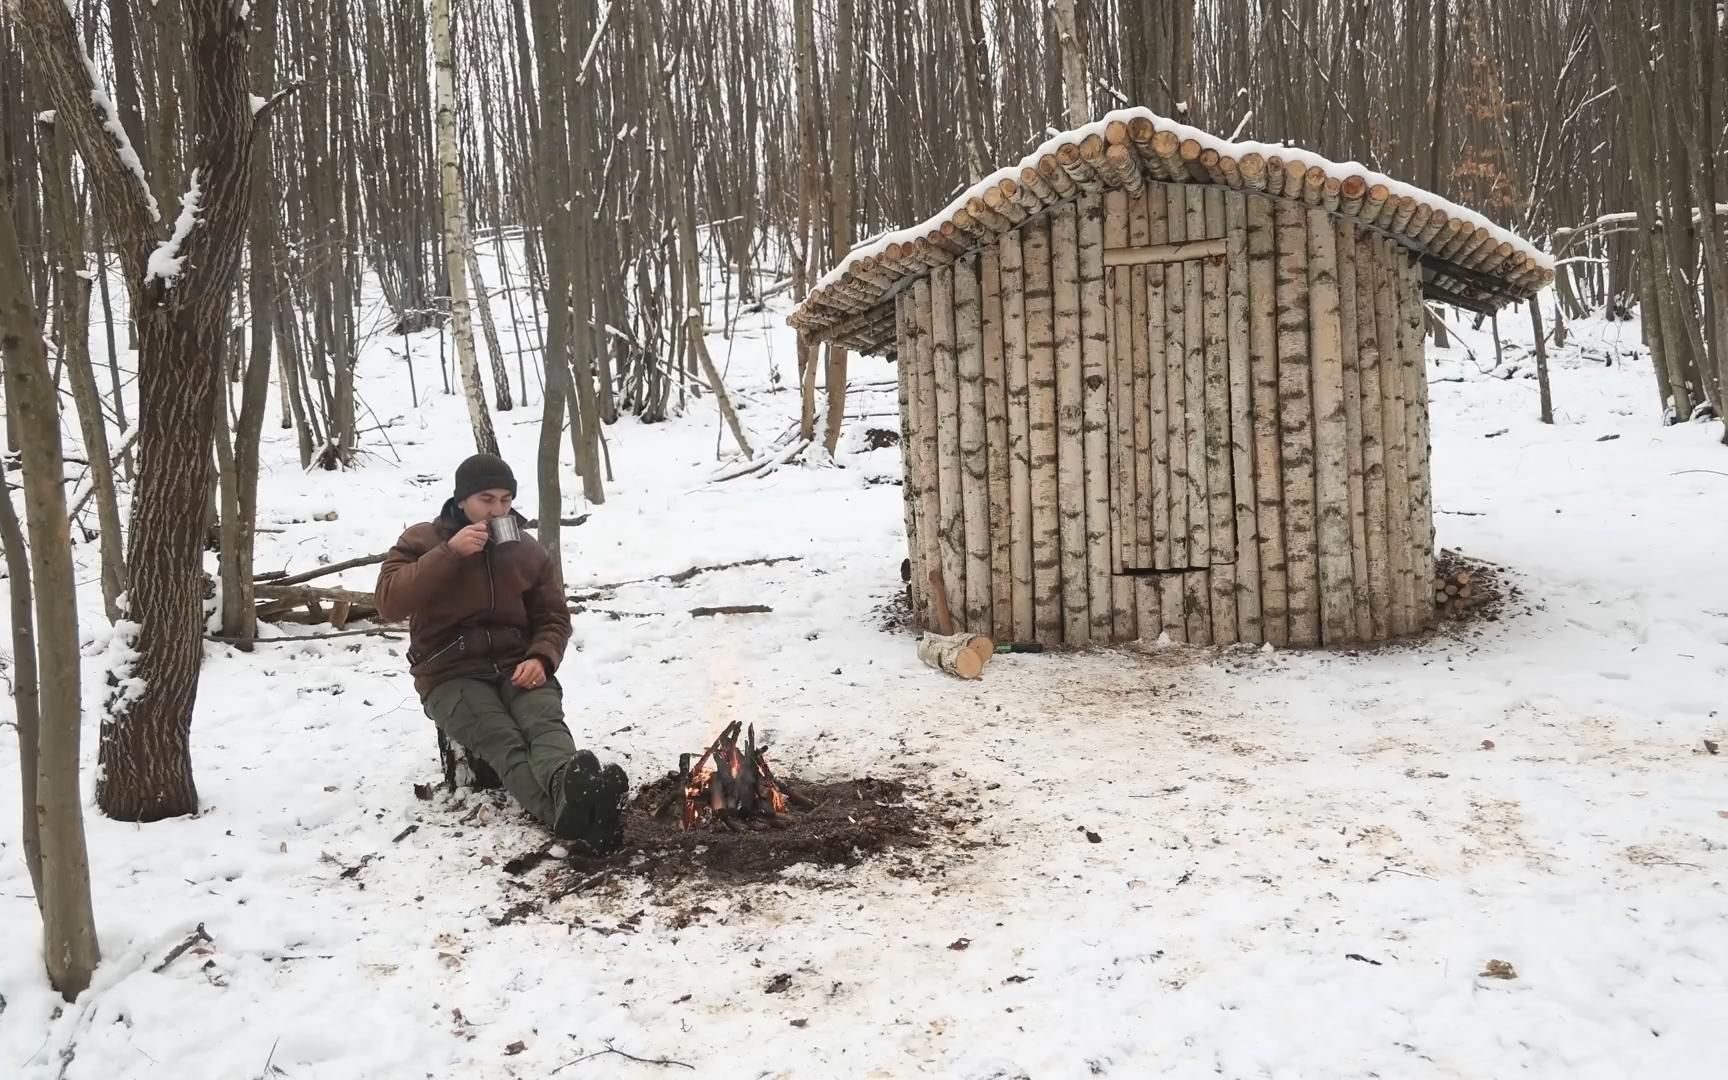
x=530, y=674
x=469, y=541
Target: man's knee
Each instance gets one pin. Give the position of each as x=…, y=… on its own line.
x=542, y=705
x=471, y=713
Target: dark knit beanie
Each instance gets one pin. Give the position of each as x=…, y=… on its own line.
x=483, y=472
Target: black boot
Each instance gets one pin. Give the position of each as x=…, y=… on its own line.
x=591, y=807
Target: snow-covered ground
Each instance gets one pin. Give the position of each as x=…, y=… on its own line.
x=1303, y=861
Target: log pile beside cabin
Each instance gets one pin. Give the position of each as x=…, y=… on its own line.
x=1148, y=388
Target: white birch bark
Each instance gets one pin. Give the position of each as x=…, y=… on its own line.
x=996, y=440
x=1015, y=352
x=1118, y=289
x=951, y=529
x=1220, y=495
x=1331, y=460
x=974, y=461
x=1268, y=460
x=1151, y=466
x=1416, y=401
x=1071, y=461
x=456, y=230
x=1171, y=361
x=928, y=416
x=1389, y=315
x=1373, y=440
x=1295, y=416
x=905, y=350
x=1351, y=339
x=1247, y=540
x=1041, y=374
x=1095, y=417
x=1196, y=604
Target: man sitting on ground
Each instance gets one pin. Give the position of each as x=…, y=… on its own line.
x=487, y=627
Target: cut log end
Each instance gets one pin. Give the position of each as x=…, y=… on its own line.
x=956, y=654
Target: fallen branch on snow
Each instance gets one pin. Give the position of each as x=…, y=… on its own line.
x=763, y=465
x=325, y=571
x=594, y=591
x=195, y=938
x=374, y=631
x=610, y=1049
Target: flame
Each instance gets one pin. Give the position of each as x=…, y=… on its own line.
x=706, y=797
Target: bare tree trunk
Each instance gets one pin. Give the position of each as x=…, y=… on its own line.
x=552, y=154
x=456, y=231
x=26, y=708
x=1541, y=362
x=240, y=509
x=840, y=197
x=686, y=224
x=74, y=299
x=804, y=64
x=494, y=348
x=68, y=923
x=182, y=291
x=1075, y=91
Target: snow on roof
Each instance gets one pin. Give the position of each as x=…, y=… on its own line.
x=1488, y=265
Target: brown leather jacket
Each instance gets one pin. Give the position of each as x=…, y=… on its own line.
x=479, y=616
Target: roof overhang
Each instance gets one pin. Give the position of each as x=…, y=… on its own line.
x=1467, y=259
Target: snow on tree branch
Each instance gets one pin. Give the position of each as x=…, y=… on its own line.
x=104, y=105
x=166, y=260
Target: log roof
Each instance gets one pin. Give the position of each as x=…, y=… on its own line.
x=1467, y=259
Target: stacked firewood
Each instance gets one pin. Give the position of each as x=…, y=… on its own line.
x=1455, y=593
x=288, y=597
x=1466, y=588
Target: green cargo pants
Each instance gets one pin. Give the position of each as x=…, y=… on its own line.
x=520, y=733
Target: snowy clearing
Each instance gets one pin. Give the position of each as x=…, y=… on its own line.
x=1303, y=863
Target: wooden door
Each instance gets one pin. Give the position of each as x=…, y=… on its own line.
x=1171, y=407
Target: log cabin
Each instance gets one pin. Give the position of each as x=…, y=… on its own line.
x=1153, y=382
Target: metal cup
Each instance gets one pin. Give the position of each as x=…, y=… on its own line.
x=504, y=530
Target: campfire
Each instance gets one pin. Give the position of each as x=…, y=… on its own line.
x=731, y=786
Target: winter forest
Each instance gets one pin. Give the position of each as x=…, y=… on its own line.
x=271, y=270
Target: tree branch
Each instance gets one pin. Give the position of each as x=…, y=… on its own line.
x=116, y=172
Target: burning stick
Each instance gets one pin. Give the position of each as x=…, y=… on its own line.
x=729, y=786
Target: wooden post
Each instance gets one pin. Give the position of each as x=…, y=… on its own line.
x=949, y=483
x=1119, y=297
x=1014, y=348
x=1041, y=373
x=1368, y=364
x=1416, y=401
x=1095, y=419
x=1354, y=461
x=1247, y=539
x=1195, y=602
x=1071, y=462
x=1393, y=336
x=905, y=351
x=996, y=442
x=974, y=468
x=1331, y=469
x=1295, y=415
x=1171, y=601
x=1151, y=461
x=1220, y=482
x=926, y=445
x=1268, y=462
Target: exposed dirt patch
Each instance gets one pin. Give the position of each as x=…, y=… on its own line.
x=850, y=822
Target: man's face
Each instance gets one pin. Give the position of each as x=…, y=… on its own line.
x=486, y=505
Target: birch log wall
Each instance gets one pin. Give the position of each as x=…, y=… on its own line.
x=1150, y=388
